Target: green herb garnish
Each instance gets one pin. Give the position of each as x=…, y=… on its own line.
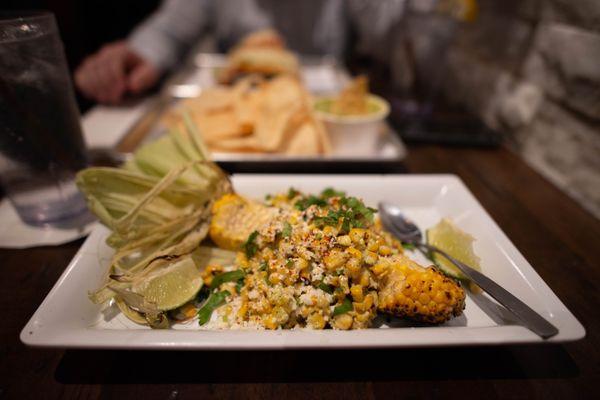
x=408, y=246
x=331, y=192
x=250, y=247
x=230, y=276
x=306, y=202
x=287, y=230
x=352, y=214
x=343, y=308
x=292, y=193
x=214, y=301
x=263, y=266
x=325, y=287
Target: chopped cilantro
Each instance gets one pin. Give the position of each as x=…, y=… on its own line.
x=239, y=285
x=306, y=202
x=351, y=214
x=263, y=266
x=325, y=287
x=292, y=193
x=343, y=308
x=287, y=230
x=250, y=247
x=289, y=263
x=215, y=301
x=331, y=192
x=230, y=276
x=408, y=246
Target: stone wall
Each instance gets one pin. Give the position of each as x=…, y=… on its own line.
x=531, y=69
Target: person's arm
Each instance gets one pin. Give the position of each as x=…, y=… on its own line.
x=168, y=33
x=135, y=65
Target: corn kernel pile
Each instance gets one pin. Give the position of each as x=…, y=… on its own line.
x=321, y=262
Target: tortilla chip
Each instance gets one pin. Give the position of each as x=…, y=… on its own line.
x=304, y=142
x=246, y=144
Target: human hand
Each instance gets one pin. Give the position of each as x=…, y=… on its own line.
x=114, y=71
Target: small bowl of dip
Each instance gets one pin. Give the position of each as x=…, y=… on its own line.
x=353, y=133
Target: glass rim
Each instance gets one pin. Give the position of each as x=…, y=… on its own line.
x=13, y=16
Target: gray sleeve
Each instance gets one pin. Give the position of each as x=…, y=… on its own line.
x=170, y=31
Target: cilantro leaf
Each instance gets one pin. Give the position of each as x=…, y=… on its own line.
x=250, y=247
x=331, y=192
x=287, y=230
x=343, y=308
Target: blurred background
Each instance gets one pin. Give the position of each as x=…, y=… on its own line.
x=529, y=70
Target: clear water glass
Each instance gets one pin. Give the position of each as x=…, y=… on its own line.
x=41, y=143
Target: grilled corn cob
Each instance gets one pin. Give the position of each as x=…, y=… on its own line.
x=234, y=218
x=423, y=294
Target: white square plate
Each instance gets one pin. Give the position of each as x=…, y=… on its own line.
x=67, y=318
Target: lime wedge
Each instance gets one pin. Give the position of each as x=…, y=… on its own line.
x=171, y=286
x=457, y=243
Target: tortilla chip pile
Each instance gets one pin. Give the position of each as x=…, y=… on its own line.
x=262, y=52
x=256, y=115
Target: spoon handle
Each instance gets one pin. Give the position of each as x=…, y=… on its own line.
x=524, y=313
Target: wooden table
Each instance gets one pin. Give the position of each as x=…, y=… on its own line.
x=559, y=238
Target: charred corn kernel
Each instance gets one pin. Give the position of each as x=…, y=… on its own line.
x=373, y=246
x=353, y=268
x=344, y=240
x=241, y=260
x=267, y=254
x=343, y=321
x=189, y=311
x=368, y=302
x=329, y=231
x=379, y=268
x=422, y=294
x=235, y=217
x=301, y=264
x=357, y=293
x=334, y=259
x=365, y=278
x=424, y=298
x=357, y=234
x=363, y=317
x=316, y=321
x=242, y=310
x=343, y=284
x=270, y=322
x=274, y=278
x=385, y=250
x=370, y=258
x=354, y=252
x=305, y=274
x=359, y=307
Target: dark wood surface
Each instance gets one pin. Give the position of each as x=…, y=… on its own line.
x=558, y=237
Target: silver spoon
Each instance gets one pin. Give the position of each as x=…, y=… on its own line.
x=393, y=220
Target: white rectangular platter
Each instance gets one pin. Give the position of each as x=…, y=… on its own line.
x=67, y=318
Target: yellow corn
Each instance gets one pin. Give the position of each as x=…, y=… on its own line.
x=365, y=278
x=234, y=218
x=357, y=293
x=422, y=294
x=344, y=240
x=357, y=235
x=343, y=321
x=370, y=257
x=335, y=259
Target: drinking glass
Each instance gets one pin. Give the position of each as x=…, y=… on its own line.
x=41, y=144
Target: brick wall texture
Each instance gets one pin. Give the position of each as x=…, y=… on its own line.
x=531, y=69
